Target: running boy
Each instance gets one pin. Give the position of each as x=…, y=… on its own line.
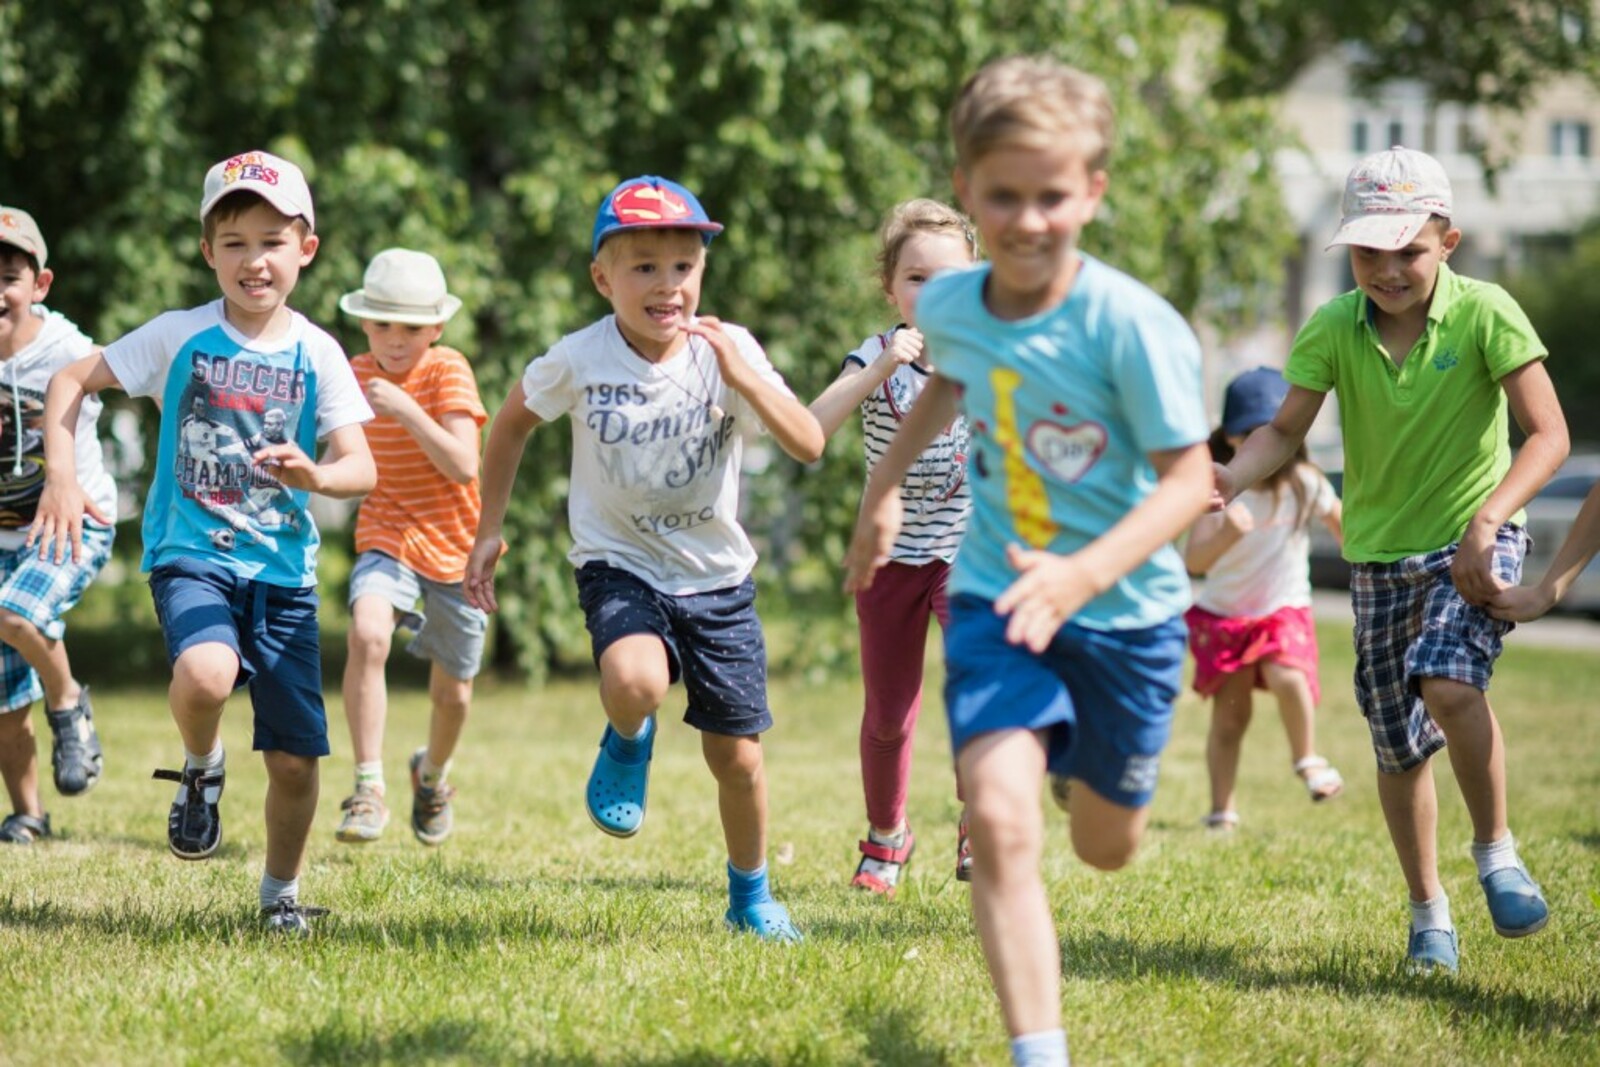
x=1424, y=362
x=35, y=343
x=413, y=534
x=1081, y=390
x=660, y=402
x=235, y=591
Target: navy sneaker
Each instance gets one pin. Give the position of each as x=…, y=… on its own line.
x=1428, y=951
x=75, y=756
x=194, y=825
x=288, y=918
x=1515, y=903
x=21, y=829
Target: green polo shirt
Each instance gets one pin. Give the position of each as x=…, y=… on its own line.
x=1425, y=442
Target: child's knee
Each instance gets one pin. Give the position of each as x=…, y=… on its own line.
x=287, y=771
x=369, y=640
x=636, y=686
x=204, y=675
x=1448, y=700
x=1103, y=849
x=734, y=761
x=16, y=724
x=15, y=628
x=1230, y=719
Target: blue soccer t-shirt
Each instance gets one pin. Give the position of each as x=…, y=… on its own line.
x=223, y=397
x=1063, y=409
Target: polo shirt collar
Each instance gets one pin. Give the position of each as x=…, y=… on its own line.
x=1446, y=290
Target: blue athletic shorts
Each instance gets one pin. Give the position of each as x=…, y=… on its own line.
x=448, y=630
x=1412, y=624
x=1104, y=698
x=714, y=643
x=272, y=629
x=42, y=591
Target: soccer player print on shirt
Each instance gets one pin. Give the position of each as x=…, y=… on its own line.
x=227, y=420
x=21, y=454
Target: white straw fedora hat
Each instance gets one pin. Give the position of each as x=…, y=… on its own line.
x=402, y=286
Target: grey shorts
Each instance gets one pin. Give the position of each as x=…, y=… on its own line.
x=448, y=630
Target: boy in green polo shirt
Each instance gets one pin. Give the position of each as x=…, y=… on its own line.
x=1424, y=362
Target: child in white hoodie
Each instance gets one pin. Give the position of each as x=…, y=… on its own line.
x=36, y=592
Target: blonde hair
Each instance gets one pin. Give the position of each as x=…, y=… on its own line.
x=1032, y=101
x=907, y=220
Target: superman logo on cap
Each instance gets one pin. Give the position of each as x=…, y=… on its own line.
x=648, y=204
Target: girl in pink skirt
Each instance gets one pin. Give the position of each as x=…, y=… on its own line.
x=1251, y=624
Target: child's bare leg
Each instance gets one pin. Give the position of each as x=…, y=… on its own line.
x=366, y=694
x=1412, y=811
x=737, y=765
x=634, y=676
x=292, y=787
x=1001, y=774
x=19, y=761
x=47, y=657
x=451, y=698
x=1105, y=835
x=1231, y=711
x=1477, y=751
x=202, y=680
x=1293, y=692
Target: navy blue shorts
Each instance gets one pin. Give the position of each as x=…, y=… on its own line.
x=273, y=631
x=713, y=640
x=1104, y=699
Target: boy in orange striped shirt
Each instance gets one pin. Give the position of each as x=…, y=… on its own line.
x=413, y=533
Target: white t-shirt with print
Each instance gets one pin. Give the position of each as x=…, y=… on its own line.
x=208, y=499
x=935, y=492
x=655, y=476
x=23, y=381
x=1270, y=567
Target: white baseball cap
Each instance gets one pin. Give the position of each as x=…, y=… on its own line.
x=1389, y=197
x=276, y=180
x=402, y=286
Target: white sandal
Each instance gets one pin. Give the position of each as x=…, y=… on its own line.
x=1221, y=821
x=1322, y=781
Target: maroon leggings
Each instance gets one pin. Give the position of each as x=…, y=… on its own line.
x=893, y=617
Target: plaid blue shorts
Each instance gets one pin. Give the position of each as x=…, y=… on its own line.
x=42, y=592
x=1412, y=624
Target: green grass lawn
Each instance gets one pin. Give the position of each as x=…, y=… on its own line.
x=530, y=937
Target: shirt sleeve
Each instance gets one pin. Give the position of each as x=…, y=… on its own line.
x=340, y=401
x=1157, y=372
x=547, y=384
x=456, y=391
x=1509, y=340
x=1310, y=363
x=141, y=357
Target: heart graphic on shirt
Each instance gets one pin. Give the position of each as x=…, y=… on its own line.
x=1067, y=451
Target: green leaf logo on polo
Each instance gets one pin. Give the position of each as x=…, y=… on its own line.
x=1445, y=360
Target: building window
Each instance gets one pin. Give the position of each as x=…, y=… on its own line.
x=1396, y=133
x=1358, y=136
x=1569, y=139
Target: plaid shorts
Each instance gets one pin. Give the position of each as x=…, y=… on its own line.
x=1412, y=624
x=42, y=592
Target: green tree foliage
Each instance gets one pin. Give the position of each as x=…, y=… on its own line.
x=1560, y=293
x=486, y=132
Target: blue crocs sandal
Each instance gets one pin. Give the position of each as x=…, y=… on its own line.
x=768, y=920
x=617, y=786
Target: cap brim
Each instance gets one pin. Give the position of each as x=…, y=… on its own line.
x=355, y=304
x=1383, y=231
x=271, y=195
x=709, y=229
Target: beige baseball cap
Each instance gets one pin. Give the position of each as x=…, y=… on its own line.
x=18, y=229
x=402, y=286
x=276, y=180
x=1389, y=197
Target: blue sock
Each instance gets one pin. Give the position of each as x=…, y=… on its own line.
x=1045, y=1048
x=747, y=887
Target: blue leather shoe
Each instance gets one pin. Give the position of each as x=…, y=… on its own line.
x=1428, y=951
x=1515, y=903
x=620, y=780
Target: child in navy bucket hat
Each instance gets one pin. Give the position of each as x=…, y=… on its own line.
x=661, y=400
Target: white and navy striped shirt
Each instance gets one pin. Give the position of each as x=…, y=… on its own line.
x=935, y=492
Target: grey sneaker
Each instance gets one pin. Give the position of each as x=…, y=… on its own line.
x=365, y=816
x=432, y=817
x=287, y=918
x=75, y=756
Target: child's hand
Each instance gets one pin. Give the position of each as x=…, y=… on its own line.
x=905, y=347
x=735, y=371
x=1522, y=603
x=290, y=465
x=479, y=581
x=1472, y=570
x=386, y=397
x=871, y=543
x=1050, y=591
x=58, y=521
x=1237, y=519
x=1222, y=490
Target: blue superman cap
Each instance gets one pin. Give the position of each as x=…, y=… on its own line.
x=651, y=203
x=1252, y=399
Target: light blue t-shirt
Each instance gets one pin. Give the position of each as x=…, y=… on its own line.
x=1063, y=409
x=223, y=397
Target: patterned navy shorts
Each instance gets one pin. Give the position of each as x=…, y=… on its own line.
x=713, y=640
x=1412, y=624
x=42, y=591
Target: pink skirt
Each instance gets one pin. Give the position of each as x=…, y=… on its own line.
x=1224, y=646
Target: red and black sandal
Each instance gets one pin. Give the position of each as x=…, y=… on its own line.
x=881, y=864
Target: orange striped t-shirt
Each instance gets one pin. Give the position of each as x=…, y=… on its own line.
x=416, y=514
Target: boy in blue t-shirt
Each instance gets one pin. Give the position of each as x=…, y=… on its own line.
x=1087, y=457
x=234, y=583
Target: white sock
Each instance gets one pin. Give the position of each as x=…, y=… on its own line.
x=431, y=774
x=643, y=724
x=1043, y=1048
x=276, y=890
x=370, y=774
x=1432, y=914
x=1495, y=856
